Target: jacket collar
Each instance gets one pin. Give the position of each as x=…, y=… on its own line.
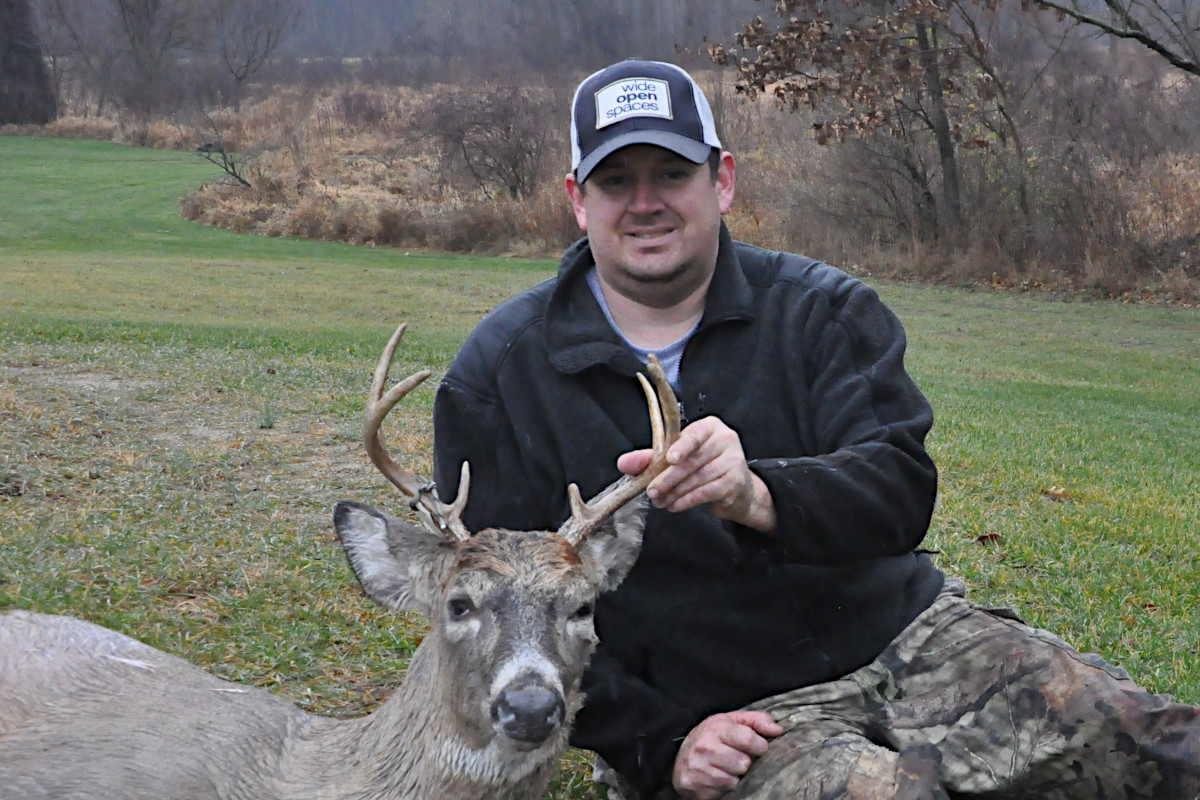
x=578, y=336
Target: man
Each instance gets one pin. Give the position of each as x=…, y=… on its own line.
x=782, y=633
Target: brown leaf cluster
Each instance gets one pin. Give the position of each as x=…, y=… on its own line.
x=860, y=66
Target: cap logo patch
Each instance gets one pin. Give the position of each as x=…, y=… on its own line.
x=632, y=97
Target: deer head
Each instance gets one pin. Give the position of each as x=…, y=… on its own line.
x=510, y=612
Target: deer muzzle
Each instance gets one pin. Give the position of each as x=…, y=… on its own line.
x=528, y=711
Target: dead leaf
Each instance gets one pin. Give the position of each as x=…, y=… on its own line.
x=1058, y=494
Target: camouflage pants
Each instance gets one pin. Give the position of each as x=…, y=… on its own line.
x=968, y=702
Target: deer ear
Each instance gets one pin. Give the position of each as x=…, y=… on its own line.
x=397, y=564
x=609, y=552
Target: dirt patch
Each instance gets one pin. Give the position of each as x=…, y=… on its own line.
x=75, y=377
x=67, y=420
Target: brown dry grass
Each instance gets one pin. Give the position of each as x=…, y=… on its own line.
x=352, y=163
x=348, y=166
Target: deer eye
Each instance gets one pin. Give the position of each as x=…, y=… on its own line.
x=460, y=607
x=583, y=612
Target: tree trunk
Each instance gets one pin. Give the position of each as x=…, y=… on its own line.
x=26, y=92
x=951, y=210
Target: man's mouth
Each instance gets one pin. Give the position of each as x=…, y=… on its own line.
x=648, y=235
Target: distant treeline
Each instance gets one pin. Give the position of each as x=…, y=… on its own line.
x=151, y=56
x=496, y=36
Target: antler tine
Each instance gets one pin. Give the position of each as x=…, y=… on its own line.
x=445, y=520
x=586, y=518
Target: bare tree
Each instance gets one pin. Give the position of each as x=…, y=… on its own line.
x=127, y=50
x=26, y=94
x=84, y=51
x=154, y=33
x=1170, y=28
x=247, y=33
x=496, y=134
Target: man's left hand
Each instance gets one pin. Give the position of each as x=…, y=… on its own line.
x=719, y=751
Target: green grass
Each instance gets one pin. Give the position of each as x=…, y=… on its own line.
x=90, y=233
x=1070, y=467
x=179, y=410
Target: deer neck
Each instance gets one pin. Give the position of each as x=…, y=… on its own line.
x=412, y=748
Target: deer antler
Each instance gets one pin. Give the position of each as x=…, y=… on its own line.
x=438, y=517
x=586, y=518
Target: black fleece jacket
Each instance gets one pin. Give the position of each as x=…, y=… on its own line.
x=806, y=364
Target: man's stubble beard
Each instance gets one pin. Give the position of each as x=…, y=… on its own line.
x=662, y=289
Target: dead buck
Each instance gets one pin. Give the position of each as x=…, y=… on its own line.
x=484, y=711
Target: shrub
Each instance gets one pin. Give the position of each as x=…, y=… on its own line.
x=97, y=128
x=306, y=219
x=398, y=226
x=351, y=222
x=493, y=138
x=362, y=109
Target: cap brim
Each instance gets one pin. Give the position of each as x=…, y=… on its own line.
x=696, y=152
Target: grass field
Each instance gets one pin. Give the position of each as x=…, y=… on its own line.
x=179, y=410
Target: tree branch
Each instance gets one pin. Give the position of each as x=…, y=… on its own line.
x=1131, y=30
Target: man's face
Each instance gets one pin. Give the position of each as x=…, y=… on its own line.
x=653, y=220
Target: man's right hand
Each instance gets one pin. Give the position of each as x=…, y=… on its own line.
x=707, y=467
x=719, y=751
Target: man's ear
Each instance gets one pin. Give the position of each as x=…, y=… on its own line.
x=725, y=181
x=576, y=193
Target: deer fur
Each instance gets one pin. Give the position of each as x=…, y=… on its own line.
x=86, y=712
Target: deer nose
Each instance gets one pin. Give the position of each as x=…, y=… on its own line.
x=528, y=713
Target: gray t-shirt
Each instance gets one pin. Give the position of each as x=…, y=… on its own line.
x=668, y=356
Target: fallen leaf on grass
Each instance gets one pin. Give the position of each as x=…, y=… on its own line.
x=1059, y=494
x=988, y=539
x=13, y=484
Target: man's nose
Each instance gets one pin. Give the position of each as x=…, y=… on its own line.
x=646, y=197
